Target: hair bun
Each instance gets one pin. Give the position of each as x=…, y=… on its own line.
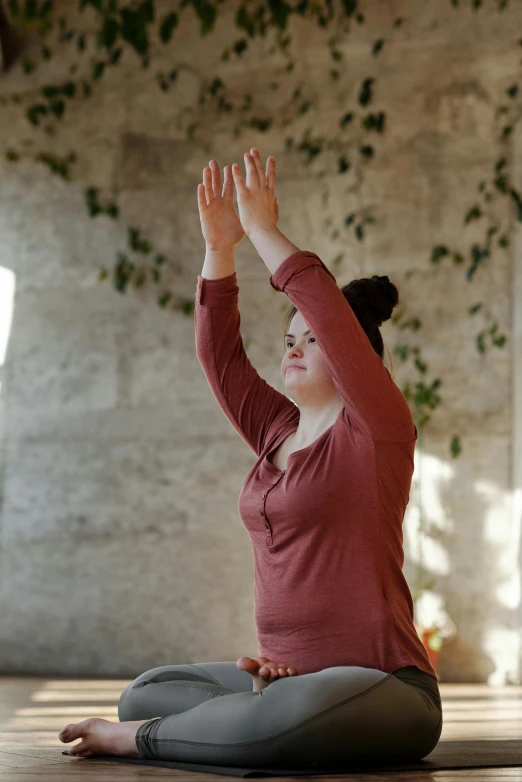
x=372, y=300
x=386, y=298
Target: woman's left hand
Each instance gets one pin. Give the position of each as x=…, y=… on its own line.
x=257, y=204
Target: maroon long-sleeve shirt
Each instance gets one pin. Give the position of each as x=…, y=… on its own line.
x=327, y=531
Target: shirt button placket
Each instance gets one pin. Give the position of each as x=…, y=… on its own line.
x=262, y=511
x=261, y=507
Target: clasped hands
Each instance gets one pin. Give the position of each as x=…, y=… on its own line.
x=257, y=204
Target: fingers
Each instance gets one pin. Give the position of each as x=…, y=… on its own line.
x=202, y=201
x=238, y=179
x=216, y=177
x=228, y=184
x=270, y=172
x=211, y=186
x=252, y=177
x=255, y=178
x=207, y=182
x=254, y=152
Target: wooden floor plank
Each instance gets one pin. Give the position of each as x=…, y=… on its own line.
x=34, y=709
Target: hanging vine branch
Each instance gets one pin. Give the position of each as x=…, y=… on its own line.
x=131, y=26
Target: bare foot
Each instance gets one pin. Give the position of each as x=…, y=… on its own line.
x=263, y=671
x=101, y=737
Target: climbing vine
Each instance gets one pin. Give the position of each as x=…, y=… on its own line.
x=131, y=27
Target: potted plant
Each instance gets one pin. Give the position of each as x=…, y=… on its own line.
x=431, y=620
x=433, y=623
x=432, y=640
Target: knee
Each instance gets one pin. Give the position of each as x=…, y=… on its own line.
x=126, y=705
x=130, y=705
x=428, y=745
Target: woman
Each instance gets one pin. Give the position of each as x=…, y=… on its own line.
x=342, y=675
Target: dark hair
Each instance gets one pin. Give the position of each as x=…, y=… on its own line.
x=372, y=300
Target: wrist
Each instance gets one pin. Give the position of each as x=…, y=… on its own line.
x=273, y=246
x=260, y=231
x=218, y=262
x=229, y=250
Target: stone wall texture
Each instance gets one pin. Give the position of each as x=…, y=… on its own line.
x=121, y=544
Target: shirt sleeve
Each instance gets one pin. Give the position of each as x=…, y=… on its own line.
x=371, y=397
x=248, y=401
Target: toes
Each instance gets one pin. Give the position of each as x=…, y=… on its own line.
x=71, y=732
x=80, y=750
x=75, y=730
x=67, y=734
x=245, y=662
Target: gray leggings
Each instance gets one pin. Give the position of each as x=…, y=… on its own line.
x=207, y=713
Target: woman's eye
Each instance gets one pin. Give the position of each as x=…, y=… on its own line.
x=291, y=343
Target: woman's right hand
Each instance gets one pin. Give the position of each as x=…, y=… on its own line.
x=220, y=225
x=270, y=670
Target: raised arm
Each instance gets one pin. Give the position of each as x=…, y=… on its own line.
x=248, y=401
x=372, y=400
x=371, y=397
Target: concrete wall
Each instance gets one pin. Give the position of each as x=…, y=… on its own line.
x=121, y=544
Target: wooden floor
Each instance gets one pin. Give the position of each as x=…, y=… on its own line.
x=33, y=711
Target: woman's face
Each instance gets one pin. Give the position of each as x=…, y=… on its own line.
x=312, y=383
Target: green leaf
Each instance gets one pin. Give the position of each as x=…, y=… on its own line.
x=57, y=107
x=98, y=70
x=97, y=4
x=350, y=7
x=455, y=447
x=244, y=21
x=365, y=95
x=473, y=214
x=377, y=46
x=28, y=65
x=134, y=28
x=164, y=298
x=108, y=34
x=34, y=112
x=206, y=13
x=167, y=27
x=438, y=252
x=50, y=91
x=280, y=11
